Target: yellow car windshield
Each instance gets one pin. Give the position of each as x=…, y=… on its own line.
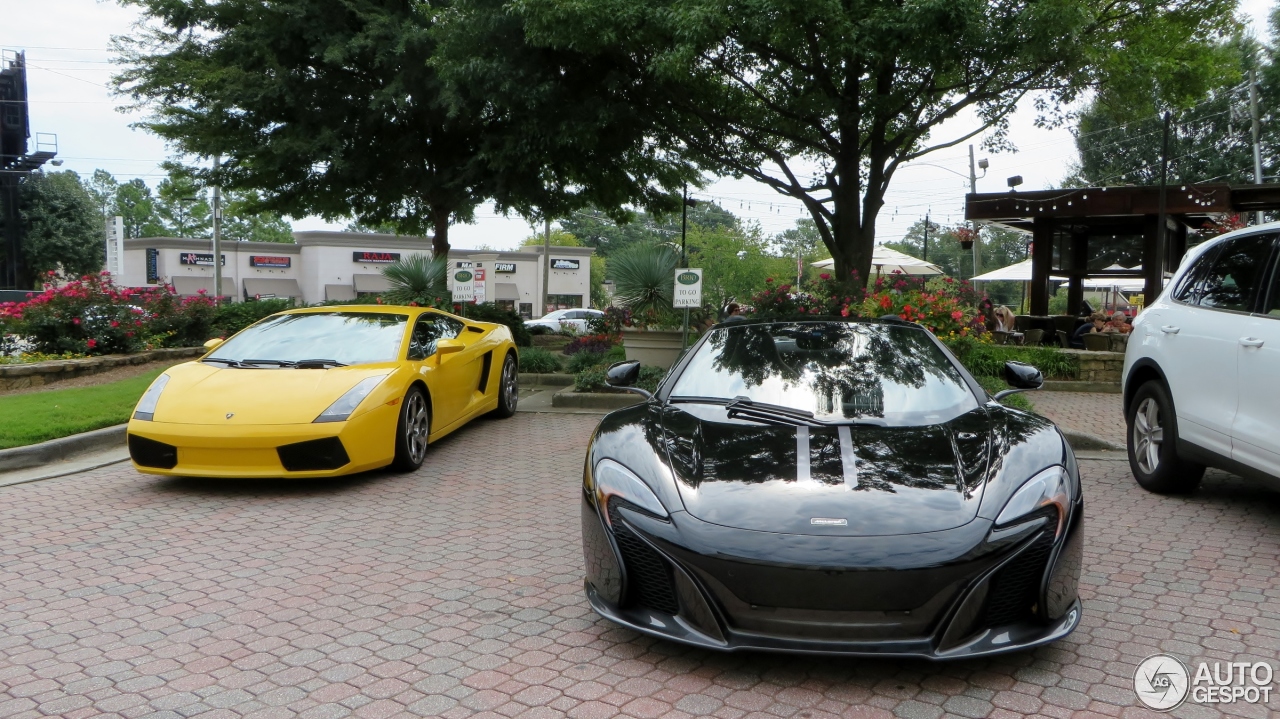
x=341, y=337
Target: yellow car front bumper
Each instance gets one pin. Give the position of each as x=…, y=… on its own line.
x=202, y=450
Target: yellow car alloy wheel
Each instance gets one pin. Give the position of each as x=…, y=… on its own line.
x=414, y=427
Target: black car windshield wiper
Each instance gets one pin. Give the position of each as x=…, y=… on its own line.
x=223, y=360
x=276, y=362
x=295, y=364
x=750, y=409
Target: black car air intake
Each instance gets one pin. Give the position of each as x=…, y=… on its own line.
x=314, y=455
x=150, y=453
x=649, y=581
x=1015, y=588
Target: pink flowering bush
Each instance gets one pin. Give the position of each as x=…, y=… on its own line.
x=91, y=315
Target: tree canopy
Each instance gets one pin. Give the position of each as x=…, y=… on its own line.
x=774, y=88
x=62, y=227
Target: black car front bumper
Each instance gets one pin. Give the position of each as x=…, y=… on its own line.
x=960, y=593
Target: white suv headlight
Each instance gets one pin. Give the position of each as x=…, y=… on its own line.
x=1050, y=487
x=613, y=480
x=146, y=408
x=340, y=410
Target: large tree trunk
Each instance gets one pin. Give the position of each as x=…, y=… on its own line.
x=440, y=234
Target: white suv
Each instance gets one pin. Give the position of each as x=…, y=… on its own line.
x=1202, y=370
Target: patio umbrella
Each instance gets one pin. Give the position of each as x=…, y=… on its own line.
x=1017, y=272
x=886, y=261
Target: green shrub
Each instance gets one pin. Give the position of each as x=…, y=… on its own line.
x=591, y=379
x=232, y=317
x=987, y=360
x=489, y=312
x=616, y=353
x=650, y=377
x=585, y=360
x=538, y=361
x=418, y=279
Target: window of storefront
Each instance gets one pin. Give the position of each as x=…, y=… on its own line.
x=563, y=302
x=506, y=305
x=526, y=310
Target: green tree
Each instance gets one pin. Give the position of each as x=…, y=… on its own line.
x=62, y=227
x=102, y=187
x=558, y=238
x=242, y=221
x=735, y=262
x=181, y=209
x=772, y=88
x=133, y=202
x=598, y=229
x=336, y=108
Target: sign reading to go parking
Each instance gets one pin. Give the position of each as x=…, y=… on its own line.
x=464, y=285
x=688, y=288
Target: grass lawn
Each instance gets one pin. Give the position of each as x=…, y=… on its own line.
x=39, y=416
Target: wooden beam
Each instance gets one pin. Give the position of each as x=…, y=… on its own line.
x=1041, y=258
x=1098, y=202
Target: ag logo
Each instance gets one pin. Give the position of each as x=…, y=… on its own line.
x=463, y=276
x=1161, y=682
x=687, y=278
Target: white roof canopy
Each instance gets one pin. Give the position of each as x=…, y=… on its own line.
x=886, y=261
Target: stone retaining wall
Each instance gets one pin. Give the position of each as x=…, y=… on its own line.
x=20, y=376
x=1098, y=366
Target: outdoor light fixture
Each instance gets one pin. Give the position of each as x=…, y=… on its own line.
x=1014, y=181
x=983, y=164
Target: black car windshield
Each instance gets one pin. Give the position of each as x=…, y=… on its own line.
x=345, y=337
x=838, y=370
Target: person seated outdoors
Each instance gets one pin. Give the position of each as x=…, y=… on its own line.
x=1097, y=323
x=1004, y=319
x=1119, y=323
x=733, y=313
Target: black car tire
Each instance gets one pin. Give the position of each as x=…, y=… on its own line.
x=508, y=388
x=412, y=431
x=1152, y=440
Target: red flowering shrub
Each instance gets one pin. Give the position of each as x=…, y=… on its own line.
x=595, y=344
x=92, y=315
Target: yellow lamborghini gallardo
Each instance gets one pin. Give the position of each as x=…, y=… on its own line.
x=324, y=391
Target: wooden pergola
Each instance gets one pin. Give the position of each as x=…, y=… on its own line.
x=1076, y=231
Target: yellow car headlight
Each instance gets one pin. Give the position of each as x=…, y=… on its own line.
x=146, y=408
x=341, y=410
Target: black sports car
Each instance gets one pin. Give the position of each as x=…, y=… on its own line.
x=833, y=487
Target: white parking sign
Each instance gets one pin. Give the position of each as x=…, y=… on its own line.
x=688, y=292
x=464, y=285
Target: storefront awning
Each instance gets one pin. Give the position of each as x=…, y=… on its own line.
x=506, y=291
x=272, y=287
x=191, y=285
x=371, y=283
x=341, y=293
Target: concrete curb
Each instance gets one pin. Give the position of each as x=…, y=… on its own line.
x=594, y=400
x=1089, y=442
x=57, y=450
x=529, y=379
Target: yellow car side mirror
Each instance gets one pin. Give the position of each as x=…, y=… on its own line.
x=445, y=348
x=211, y=344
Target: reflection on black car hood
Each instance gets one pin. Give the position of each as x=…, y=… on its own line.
x=877, y=480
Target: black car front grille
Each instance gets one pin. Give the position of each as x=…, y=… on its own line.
x=1015, y=588
x=649, y=581
x=150, y=453
x=314, y=455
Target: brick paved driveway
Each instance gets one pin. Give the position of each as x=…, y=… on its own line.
x=1097, y=413
x=457, y=591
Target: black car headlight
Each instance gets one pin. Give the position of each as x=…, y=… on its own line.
x=1048, y=488
x=341, y=409
x=146, y=408
x=611, y=479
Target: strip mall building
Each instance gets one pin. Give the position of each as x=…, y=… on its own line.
x=322, y=266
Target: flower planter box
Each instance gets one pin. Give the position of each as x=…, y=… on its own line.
x=35, y=374
x=659, y=348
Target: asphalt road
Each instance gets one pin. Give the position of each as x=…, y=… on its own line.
x=457, y=591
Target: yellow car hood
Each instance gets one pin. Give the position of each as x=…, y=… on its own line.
x=206, y=393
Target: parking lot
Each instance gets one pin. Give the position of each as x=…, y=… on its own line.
x=457, y=591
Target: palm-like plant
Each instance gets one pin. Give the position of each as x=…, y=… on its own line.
x=643, y=278
x=419, y=279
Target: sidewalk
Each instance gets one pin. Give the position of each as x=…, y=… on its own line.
x=1095, y=413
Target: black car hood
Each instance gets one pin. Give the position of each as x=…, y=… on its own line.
x=899, y=480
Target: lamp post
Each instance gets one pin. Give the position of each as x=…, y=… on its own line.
x=684, y=228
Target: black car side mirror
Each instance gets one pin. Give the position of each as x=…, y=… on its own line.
x=1022, y=377
x=623, y=375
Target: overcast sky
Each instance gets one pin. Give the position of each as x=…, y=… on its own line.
x=67, y=41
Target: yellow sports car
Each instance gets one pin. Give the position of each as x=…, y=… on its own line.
x=324, y=391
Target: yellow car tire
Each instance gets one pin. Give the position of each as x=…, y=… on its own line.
x=508, y=388
x=412, y=431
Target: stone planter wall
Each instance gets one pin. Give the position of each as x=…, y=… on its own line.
x=21, y=376
x=1098, y=366
x=659, y=348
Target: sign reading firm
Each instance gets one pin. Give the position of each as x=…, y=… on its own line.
x=269, y=261
x=564, y=264
x=203, y=259
x=464, y=285
x=688, y=288
x=504, y=267
x=381, y=258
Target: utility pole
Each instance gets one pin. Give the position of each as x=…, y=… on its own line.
x=217, y=237
x=684, y=229
x=973, y=190
x=546, y=261
x=1257, y=153
x=1157, y=273
x=926, y=236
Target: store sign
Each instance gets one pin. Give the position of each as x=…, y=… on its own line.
x=153, y=265
x=463, y=264
x=270, y=261
x=504, y=267
x=203, y=259
x=380, y=258
x=564, y=264
x=464, y=285
x=480, y=287
x=688, y=288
